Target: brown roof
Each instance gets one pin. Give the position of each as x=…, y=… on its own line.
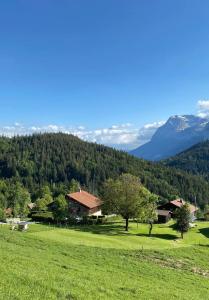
x=180, y=202
x=85, y=199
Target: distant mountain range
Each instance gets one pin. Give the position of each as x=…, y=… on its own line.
x=176, y=135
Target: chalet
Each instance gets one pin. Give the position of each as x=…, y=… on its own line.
x=84, y=204
x=172, y=206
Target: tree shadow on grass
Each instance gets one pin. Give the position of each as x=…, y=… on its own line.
x=160, y=236
x=119, y=230
x=173, y=226
x=202, y=245
x=105, y=229
x=110, y=229
x=115, y=229
x=204, y=231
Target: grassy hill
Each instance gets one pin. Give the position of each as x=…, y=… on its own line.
x=57, y=158
x=194, y=160
x=103, y=262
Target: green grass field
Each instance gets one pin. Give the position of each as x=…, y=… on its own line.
x=104, y=262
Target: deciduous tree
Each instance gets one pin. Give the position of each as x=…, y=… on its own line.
x=128, y=197
x=60, y=210
x=150, y=210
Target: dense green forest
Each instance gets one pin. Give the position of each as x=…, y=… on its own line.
x=194, y=160
x=29, y=163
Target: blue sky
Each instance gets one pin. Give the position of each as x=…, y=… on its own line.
x=101, y=64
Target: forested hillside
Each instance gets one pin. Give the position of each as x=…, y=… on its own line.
x=56, y=159
x=194, y=160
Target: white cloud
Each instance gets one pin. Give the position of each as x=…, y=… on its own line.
x=154, y=125
x=203, y=108
x=123, y=136
x=146, y=132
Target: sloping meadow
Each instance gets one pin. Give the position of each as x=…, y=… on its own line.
x=103, y=263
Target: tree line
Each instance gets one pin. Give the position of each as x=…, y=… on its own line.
x=30, y=163
x=194, y=160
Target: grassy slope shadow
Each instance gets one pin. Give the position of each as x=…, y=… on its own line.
x=160, y=236
x=110, y=229
x=204, y=231
x=118, y=229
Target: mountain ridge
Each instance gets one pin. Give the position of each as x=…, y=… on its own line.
x=176, y=135
x=194, y=160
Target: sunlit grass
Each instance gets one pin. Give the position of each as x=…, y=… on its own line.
x=104, y=262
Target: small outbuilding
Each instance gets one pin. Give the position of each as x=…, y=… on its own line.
x=164, y=216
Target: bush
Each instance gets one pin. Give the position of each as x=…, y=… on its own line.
x=101, y=220
x=113, y=218
x=200, y=214
x=45, y=217
x=92, y=220
x=206, y=217
x=2, y=215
